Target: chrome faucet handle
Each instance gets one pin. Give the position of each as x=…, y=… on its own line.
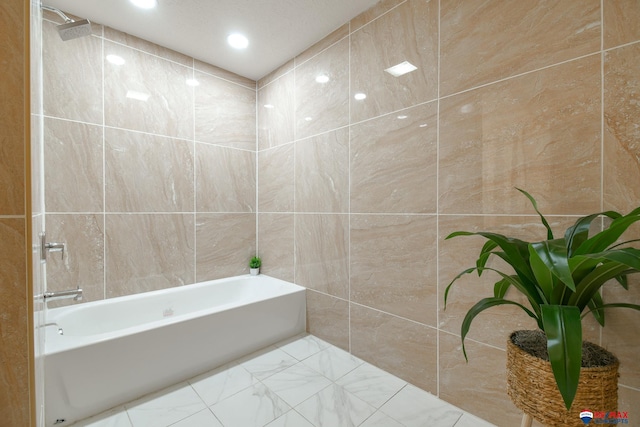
x=56, y=247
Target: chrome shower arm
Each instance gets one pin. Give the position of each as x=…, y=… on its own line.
x=59, y=12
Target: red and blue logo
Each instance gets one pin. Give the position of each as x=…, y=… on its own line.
x=612, y=417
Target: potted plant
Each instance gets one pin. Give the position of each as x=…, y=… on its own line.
x=561, y=280
x=254, y=265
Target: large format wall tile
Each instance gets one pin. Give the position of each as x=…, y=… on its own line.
x=328, y=318
x=14, y=352
x=401, y=347
x=622, y=133
x=223, y=112
x=322, y=173
x=276, y=111
x=394, y=265
x=83, y=262
x=276, y=179
x=323, y=44
x=225, y=244
x=393, y=162
x=147, y=173
x=483, y=42
x=275, y=245
x=146, y=46
x=225, y=179
x=73, y=166
x=407, y=33
x=147, y=93
x=531, y=132
x=621, y=18
x=72, y=76
x=322, y=253
x=478, y=386
x=320, y=107
x=146, y=252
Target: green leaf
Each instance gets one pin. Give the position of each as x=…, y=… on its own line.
x=446, y=291
x=596, y=304
x=500, y=287
x=481, y=306
x=608, y=236
x=485, y=253
x=564, y=343
x=615, y=305
x=516, y=251
x=542, y=218
x=578, y=233
x=594, y=281
x=553, y=256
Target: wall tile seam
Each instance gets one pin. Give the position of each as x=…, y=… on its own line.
x=475, y=341
x=629, y=387
x=516, y=215
x=274, y=78
x=174, y=138
x=435, y=328
x=154, y=213
x=546, y=67
x=621, y=46
x=374, y=19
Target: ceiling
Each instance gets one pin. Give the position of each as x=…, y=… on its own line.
x=277, y=29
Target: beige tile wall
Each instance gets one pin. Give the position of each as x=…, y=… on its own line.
x=540, y=95
x=147, y=195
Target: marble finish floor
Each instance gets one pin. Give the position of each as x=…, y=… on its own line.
x=302, y=382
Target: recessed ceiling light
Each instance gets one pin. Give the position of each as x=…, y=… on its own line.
x=401, y=69
x=145, y=4
x=115, y=59
x=360, y=96
x=322, y=78
x=193, y=82
x=237, y=41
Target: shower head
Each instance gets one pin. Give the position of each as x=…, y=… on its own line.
x=74, y=29
x=70, y=29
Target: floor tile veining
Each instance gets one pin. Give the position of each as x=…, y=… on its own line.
x=302, y=382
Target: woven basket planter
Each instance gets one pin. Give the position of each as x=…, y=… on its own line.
x=532, y=388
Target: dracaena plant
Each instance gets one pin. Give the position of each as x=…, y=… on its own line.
x=561, y=280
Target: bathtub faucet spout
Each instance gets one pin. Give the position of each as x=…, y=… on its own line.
x=76, y=294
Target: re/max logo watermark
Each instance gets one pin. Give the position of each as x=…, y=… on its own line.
x=601, y=417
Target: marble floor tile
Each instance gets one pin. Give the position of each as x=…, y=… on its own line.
x=204, y=418
x=253, y=406
x=468, y=420
x=380, y=419
x=335, y=407
x=296, y=383
x=116, y=417
x=303, y=347
x=165, y=407
x=290, y=419
x=265, y=363
x=220, y=383
x=371, y=384
x=333, y=362
x=299, y=382
x=413, y=407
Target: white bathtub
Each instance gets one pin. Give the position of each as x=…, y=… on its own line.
x=116, y=350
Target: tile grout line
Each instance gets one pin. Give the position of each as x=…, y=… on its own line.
x=194, y=177
x=602, y=133
x=349, y=198
x=104, y=176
